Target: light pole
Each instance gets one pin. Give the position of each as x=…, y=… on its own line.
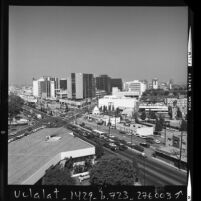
x=166, y=122
x=144, y=171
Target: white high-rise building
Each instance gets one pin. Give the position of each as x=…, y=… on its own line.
x=135, y=86
x=52, y=89
x=45, y=87
x=155, y=83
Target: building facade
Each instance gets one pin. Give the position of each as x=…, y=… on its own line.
x=155, y=83
x=45, y=87
x=63, y=83
x=80, y=86
x=135, y=86
x=117, y=102
x=117, y=82
x=103, y=82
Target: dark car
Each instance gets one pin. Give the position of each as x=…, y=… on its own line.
x=122, y=132
x=123, y=147
x=145, y=144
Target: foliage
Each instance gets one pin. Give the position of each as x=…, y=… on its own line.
x=79, y=169
x=159, y=123
x=179, y=114
x=99, y=150
x=170, y=111
x=69, y=163
x=152, y=115
x=135, y=116
x=58, y=176
x=15, y=104
x=183, y=126
x=112, y=170
x=88, y=164
x=143, y=115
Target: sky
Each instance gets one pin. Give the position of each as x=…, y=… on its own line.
x=124, y=42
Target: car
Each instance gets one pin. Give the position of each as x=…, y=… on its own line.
x=84, y=176
x=157, y=141
x=145, y=144
x=122, y=132
x=122, y=147
x=127, y=124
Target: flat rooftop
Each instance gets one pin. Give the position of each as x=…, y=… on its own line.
x=30, y=153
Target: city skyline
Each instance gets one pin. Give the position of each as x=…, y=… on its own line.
x=132, y=43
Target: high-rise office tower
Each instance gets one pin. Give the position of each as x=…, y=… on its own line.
x=103, y=82
x=63, y=83
x=80, y=86
x=117, y=82
x=45, y=87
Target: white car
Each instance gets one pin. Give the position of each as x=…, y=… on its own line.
x=157, y=141
x=84, y=176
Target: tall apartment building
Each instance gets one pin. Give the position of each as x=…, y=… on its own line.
x=45, y=87
x=63, y=83
x=117, y=82
x=80, y=86
x=103, y=82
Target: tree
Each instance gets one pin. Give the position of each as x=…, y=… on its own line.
x=158, y=125
x=99, y=150
x=152, y=115
x=69, y=163
x=143, y=115
x=15, y=104
x=58, y=176
x=183, y=126
x=135, y=116
x=112, y=170
x=179, y=114
x=170, y=111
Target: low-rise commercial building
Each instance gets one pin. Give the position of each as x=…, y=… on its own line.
x=157, y=107
x=121, y=102
x=31, y=156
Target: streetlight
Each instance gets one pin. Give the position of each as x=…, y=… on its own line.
x=144, y=170
x=166, y=123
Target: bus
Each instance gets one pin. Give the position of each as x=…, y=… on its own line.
x=99, y=133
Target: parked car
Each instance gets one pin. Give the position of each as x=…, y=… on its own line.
x=122, y=132
x=122, y=147
x=157, y=141
x=84, y=176
x=145, y=144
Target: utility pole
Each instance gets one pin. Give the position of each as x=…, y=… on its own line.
x=144, y=171
x=109, y=104
x=180, y=146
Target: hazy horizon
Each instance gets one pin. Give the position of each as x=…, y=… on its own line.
x=132, y=43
